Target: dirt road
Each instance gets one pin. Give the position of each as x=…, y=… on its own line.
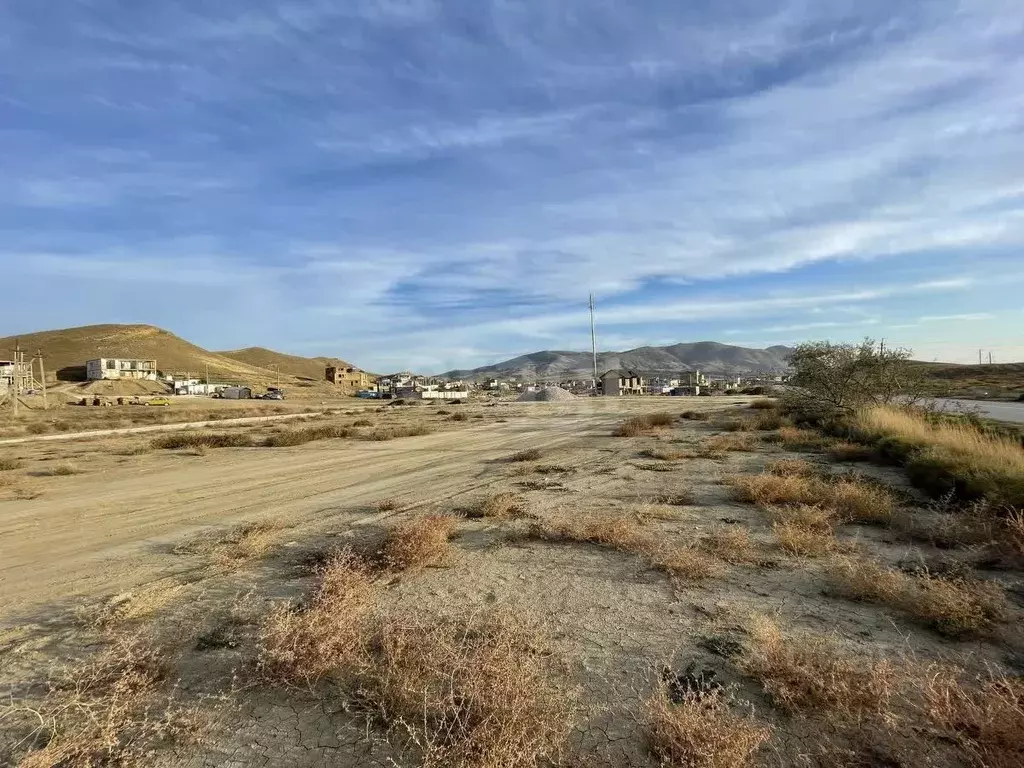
x=106, y=532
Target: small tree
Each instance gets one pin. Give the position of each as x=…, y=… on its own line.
x=831, y=379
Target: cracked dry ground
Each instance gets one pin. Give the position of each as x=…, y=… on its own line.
x=615, y=622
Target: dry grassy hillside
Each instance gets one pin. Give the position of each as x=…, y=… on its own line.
x=66, y=350
x=291, y=365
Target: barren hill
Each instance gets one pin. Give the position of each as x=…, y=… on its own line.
x=706, y=356
x=66, y=350
x=291, y=365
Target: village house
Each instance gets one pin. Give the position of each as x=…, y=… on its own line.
x=622, y=382
x=120, y=368
x=350, y=377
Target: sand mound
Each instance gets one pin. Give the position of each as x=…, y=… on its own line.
x=546, y=395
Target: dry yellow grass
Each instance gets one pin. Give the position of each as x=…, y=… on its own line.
x=684, y=562
x=470, y=691
x=112, y=709
x=700, y=731
x=992, y=465
x=301, y=646
x=803, y=541
x=129, y=606
x=787, y=467
x=797, y=439
x=238, y=545
x=503, y=505
x=731, y=544
x=953, y=607
x=985, y=716
x=419, y=543
x=807, y=674
x=642, y=425
x=665, y=454
x=850, y=498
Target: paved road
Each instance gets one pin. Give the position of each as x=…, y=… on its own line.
x=1012, y=412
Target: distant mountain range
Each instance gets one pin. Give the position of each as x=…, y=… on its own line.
x=705, y=356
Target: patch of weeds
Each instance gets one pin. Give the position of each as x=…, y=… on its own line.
x=787, y=467
x=654, y=467
x=804, y=541
x=664, y=454
x=64, y=469
x=850, y=498
x=362, y=423
x=503, y=505
x=797, y=439
x=128, y=606
x=458, y=417
x=809, y=674
x=112, y=709
x=695, y=415
x=390, y=433
x=700, y=730
x=387, y=505
x=764, y=404
x=642, y=425
x=237, y=546
x=205, y=439
x=419, y=543
x=8, y=465
x=719, y=444
x=731, y=544
x=847, y=451
x=681, y=498
x=528, y=454
x=133, y=450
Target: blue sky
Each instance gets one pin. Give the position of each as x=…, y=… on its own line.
x=433, y=184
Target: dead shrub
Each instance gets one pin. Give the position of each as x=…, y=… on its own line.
x=785, y=467
x=984, y=716
x=701, y=731
x=112, y=709
x=646, y=512
x=302, y=645
x=529, y=454
x=1013, y=526
x=808, y=674
x=851, y=498
x=686, y=563
x=458, y=417
x=680, y=498
x=764, y=405
x=7, y=465
x=387, y=505
x=235, y=547
x=468, y=691
x=203, y=439
x=642, y=425
x=956, y=607
x=419, y=543
x=504, y=505
x=863, y=579
x=803, y=541
x=736, y=425
x=390, y=433
x=804, y=516
x=732, y=442
x=362, y=423
x=129, y=606
x=731, y=544
x=766, y=421
x=695, y=415
x=64, y=469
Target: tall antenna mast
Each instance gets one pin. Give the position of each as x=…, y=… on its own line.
x=593, y=339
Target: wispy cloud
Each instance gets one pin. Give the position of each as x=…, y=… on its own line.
x=375, y=168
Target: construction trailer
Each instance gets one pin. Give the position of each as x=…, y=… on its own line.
x=120, y=368
x=236, y=393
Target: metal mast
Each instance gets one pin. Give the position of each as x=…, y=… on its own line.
x=593, y=339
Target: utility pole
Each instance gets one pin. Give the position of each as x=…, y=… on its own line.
x=17, y=375
x=42, y=378
x=593, y=340
x=979, y=357
x=990, y=358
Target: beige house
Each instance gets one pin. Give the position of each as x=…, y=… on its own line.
x=120, y=368
x=622, y=382
x=350, y=377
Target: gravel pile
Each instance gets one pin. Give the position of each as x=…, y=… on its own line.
x=546, y=395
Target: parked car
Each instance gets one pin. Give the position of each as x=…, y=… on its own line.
x=159, y=401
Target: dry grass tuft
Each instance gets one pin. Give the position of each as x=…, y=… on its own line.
x=468, y=692
x=129, y=606
x=627, y=534
x=237, y=546
x=387, y=505
x=787, y=467
x=642, y=425
x=292, y=437
x=6, y=465
x=110, y=710
x=204, y=440
x=681, y=498
x=529, y=454
x=806, y=674
x=764, y=405
x=419, y=543
x=985, y=717
x=700, y=731
x=983, y=464
x=731, y=544
x=64, y=469
x=503, y=505
x=737, y=441
x=390, y=433
x=664, y=454
x=953, y=607
x=695, y=415
x=850, y=498
x=302, y=645
x=804, y=541
x=648, y=511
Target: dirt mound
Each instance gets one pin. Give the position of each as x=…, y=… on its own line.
x=546, y=395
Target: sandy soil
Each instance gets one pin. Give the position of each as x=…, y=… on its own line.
x=113, y=529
